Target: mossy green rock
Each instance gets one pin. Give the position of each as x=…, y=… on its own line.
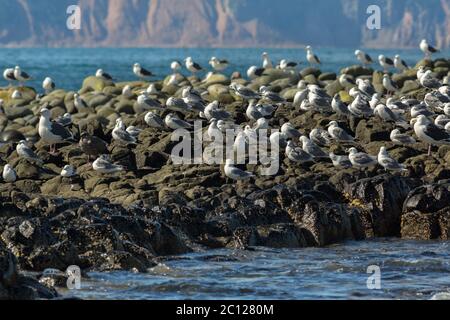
x=310, y=70
x=333, y=88
x=220, y=93
x=409, y=86
x=400, y=78
x=357, y=70
x=95, y=83
x=217, y=78
x=310, y=79
x=327, y=76
x=424, y=63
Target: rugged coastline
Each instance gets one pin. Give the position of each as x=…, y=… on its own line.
x=126, y=221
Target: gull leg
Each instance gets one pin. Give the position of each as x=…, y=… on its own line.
x=429, y=150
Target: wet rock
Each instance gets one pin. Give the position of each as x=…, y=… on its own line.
x=357, y=71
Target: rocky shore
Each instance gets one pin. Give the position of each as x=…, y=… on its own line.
x=128, y=220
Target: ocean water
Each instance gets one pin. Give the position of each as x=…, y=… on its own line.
x=68, y=67
x=408, y=270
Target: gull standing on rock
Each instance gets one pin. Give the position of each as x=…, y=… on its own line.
x=297, y=154
x=389, y=85
x=339, y=134
x=103, y=165
x=253, y=72
x=361, y=160
x=399, y=64
x=363, y=57
x=153, y=120
x=174, y=123
x=270, y=95
x=235, y=173
x=92, y=145
x=80, y=104
x=121, y=135
x=311, y=57
x=340, y=161
x=103, y=75
x=212, y=111
x=140, y=72
x=339, y=107
x=52, y=132
x=401, y=138
x=360, y=107
x=177, y=104
x=20, y=75
x=192, y=66
x=389, y=163
x=147, y=103
x=313, y=149
x=24, y=151
x=8, y=75
x=267, y=63
x=48, y=85
x=428, y=81
x=388, y=115
x=9, y=174
x=289, y=131
x=252, y=112
x=385, y=62
x=427, y=49
x=218, y=65
x=244, y=92
x=320, y=137
x=175, y=66
x=126, y=91
x=429, y=133
x=68, y=171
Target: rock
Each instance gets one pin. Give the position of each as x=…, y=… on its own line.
x=400, y=78
x=11, y=136
x=93, y=83
x=380, y=200
x=357, y=71
x=217, y=78
x=310, y=70
x=327, y=76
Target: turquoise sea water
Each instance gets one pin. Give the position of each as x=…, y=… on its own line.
x=68, y=67
x=409, y=269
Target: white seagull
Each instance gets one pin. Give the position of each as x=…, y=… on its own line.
x=311, y=57
x=429, y=133
x=174, y=123
x=339, y=134
x=361, y=160
x=401, y=138
x=52, y=132
x=267, y=63
x=427, y=49
x=389, y=163
x=235, y=173
x=48, y=85
x=385, y=62
x=103, y=165
x=121, y=135
x=192, y=66
x=9, y=174
x=153, y=120
x=399, y=64
x=24, y=151
x=140, y=72
x=363, y=57
x=68, y=171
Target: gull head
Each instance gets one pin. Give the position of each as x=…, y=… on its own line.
x=137, y=65
x=45, y=113
x=308, y=48
x=99, y=73
x=332, y=123
x=352, y=150
x=397, y=56
x=265, y=54
x=358, y=52
x=229, y=162
x=381, y=57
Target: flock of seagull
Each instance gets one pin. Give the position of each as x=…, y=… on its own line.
x=430, y=118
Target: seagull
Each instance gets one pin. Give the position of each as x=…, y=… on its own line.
x=300, y=96
x=175, y=66
x=361, y=160
x=16, y=94
x=140, y=72
x=360, y=108
x=339, y=134
x=279, y=139
x=427, y=49
x=218, y=65
x=385, y=62
x=261, y=123
x=20, y=75
x=297, y=154
x=8, y=75
x=153, y=120
x=134, y=131
x=388, y=115
x=235, y=173
x=389, y=85
x=103, y=75
x=126, y=91
x=346, y=81
x=244, y=92
x=174, y=123
x=151, y=89
x=121, y=134
x=430, y=133
x=80, y=104
x=319, y=103
x=311, y=57
x=192, y=66
x=212, y=111
x=399, y=64
x=401, y=138
x=92, y=145
x=270, y=96
x=320, y=137
x=365, y=87
x=148, y=103
x=289, y=131
x=253, y=72
x=389, y=163
x=48, y=85
x=9, y=174
x=24, y=151
x=267, y=63
x=252, y=112
x=363, y=57
x=193, y=99
x=313, y=149
x=266, y=109
x=68, y=171
x=52, y=132
x=428, y=81
x=288, y=65
x=441, y=121
x=103, y=165
x=421, y=110
x=173, y=81
x=339, y=107
x=340, y=161
x=177, y=104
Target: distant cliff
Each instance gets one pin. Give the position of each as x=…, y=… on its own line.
x=224, y=23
